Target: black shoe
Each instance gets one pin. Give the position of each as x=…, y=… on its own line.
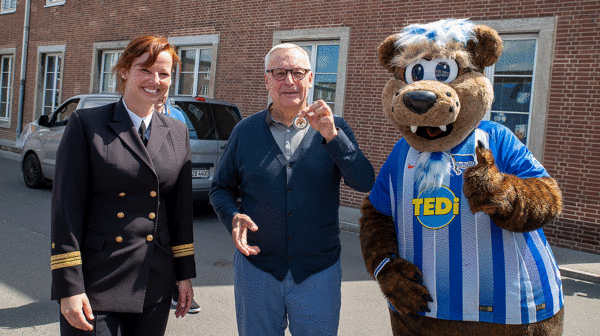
x=194, y=309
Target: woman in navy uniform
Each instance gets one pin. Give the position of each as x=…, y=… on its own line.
x=122, y=206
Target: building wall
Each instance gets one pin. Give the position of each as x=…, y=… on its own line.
x=246, y=29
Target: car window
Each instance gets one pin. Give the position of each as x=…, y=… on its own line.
x=226, y=117
x=95, y=102
x=63, y=113
x=198, y=119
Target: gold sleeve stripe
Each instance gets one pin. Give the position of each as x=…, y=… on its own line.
x=183, y=253
x=182, y=247
x=65, y=255
x=65, y=262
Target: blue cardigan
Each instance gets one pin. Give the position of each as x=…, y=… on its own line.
x=297, y=219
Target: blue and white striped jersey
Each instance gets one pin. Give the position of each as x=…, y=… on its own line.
x=474, y=270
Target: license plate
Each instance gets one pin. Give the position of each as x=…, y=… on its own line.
x=200, y=173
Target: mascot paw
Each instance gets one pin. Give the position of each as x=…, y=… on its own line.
x=484, y=185
x=402, y=284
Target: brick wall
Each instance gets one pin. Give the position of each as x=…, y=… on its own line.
x=245, y=29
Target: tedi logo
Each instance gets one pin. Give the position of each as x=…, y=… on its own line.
x=436, y=207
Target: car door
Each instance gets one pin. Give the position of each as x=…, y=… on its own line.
x=51, y=135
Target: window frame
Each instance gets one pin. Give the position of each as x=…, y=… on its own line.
x=98, y=50
x=42, y=52
x=57, y=82
x=545, y=30
x=318, y=35
x=313, y=60
x=102, y=73
x=8, y=52
x=198, y=42
x=490, y=73
x=12, y=4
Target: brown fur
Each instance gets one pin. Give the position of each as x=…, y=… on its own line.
x=512, y=203
x=400, y=280
x=426, y=326
x=387, y=51
x=487, y=49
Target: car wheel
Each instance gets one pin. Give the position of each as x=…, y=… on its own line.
x=32, y=172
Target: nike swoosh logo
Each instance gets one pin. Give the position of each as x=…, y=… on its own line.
x=410, y=166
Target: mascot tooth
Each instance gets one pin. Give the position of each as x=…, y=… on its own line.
x=452, y=229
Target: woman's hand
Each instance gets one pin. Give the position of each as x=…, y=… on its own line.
x=186, y=296
x=73, y=309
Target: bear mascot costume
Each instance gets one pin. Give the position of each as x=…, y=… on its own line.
x=452, y=229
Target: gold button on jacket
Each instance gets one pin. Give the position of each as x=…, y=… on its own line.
x=119, y=239
x=122, y=194
x=150, y=238
x=120, y=215
x=153, y=194
x=152, y=215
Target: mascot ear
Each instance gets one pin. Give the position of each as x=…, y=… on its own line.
x=387, y=51
x=487, y=49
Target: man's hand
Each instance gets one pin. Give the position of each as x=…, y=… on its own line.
x=73, y=309
x=186, y=296
x=320, y=117
x=240, y=224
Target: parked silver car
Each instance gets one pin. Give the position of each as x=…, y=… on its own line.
x=209, y=122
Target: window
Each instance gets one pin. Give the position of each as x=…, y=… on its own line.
x=49, y=79
x=328, y=50
x=8, y=6
x=54, y=2
x=194, y=77
x=104, y=56
x=324, y=59
x=512, y=77
x=52, y=82
x=108, y=81
x=62, y=115
x=198, y=56
x=521, y=78
x=5, y=86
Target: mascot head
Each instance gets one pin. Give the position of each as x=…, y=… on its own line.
x=439, y=92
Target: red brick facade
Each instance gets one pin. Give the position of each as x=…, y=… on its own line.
x=246, y=28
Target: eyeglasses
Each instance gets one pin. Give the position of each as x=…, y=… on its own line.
x=281, y=74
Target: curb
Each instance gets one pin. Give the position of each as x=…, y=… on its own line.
x=579, y=275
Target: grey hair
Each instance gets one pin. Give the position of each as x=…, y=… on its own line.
x=285, y=46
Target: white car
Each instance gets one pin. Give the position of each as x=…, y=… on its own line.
x=40, y=145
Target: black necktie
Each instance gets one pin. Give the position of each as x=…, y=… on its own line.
x=142, y=132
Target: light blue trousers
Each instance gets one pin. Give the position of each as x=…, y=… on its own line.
x=264, y=305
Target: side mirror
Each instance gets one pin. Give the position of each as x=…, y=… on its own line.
x=43, y=121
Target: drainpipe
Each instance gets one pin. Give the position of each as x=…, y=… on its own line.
x=23, y=68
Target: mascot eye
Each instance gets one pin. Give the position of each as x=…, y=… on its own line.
x=446, y=72
x=443, y=70
x=417, y=72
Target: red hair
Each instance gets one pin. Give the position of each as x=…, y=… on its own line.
x=153, y=45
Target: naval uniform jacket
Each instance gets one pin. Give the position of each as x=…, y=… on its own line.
x=121, y=212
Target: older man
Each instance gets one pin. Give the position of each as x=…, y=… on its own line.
x=286, y=230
